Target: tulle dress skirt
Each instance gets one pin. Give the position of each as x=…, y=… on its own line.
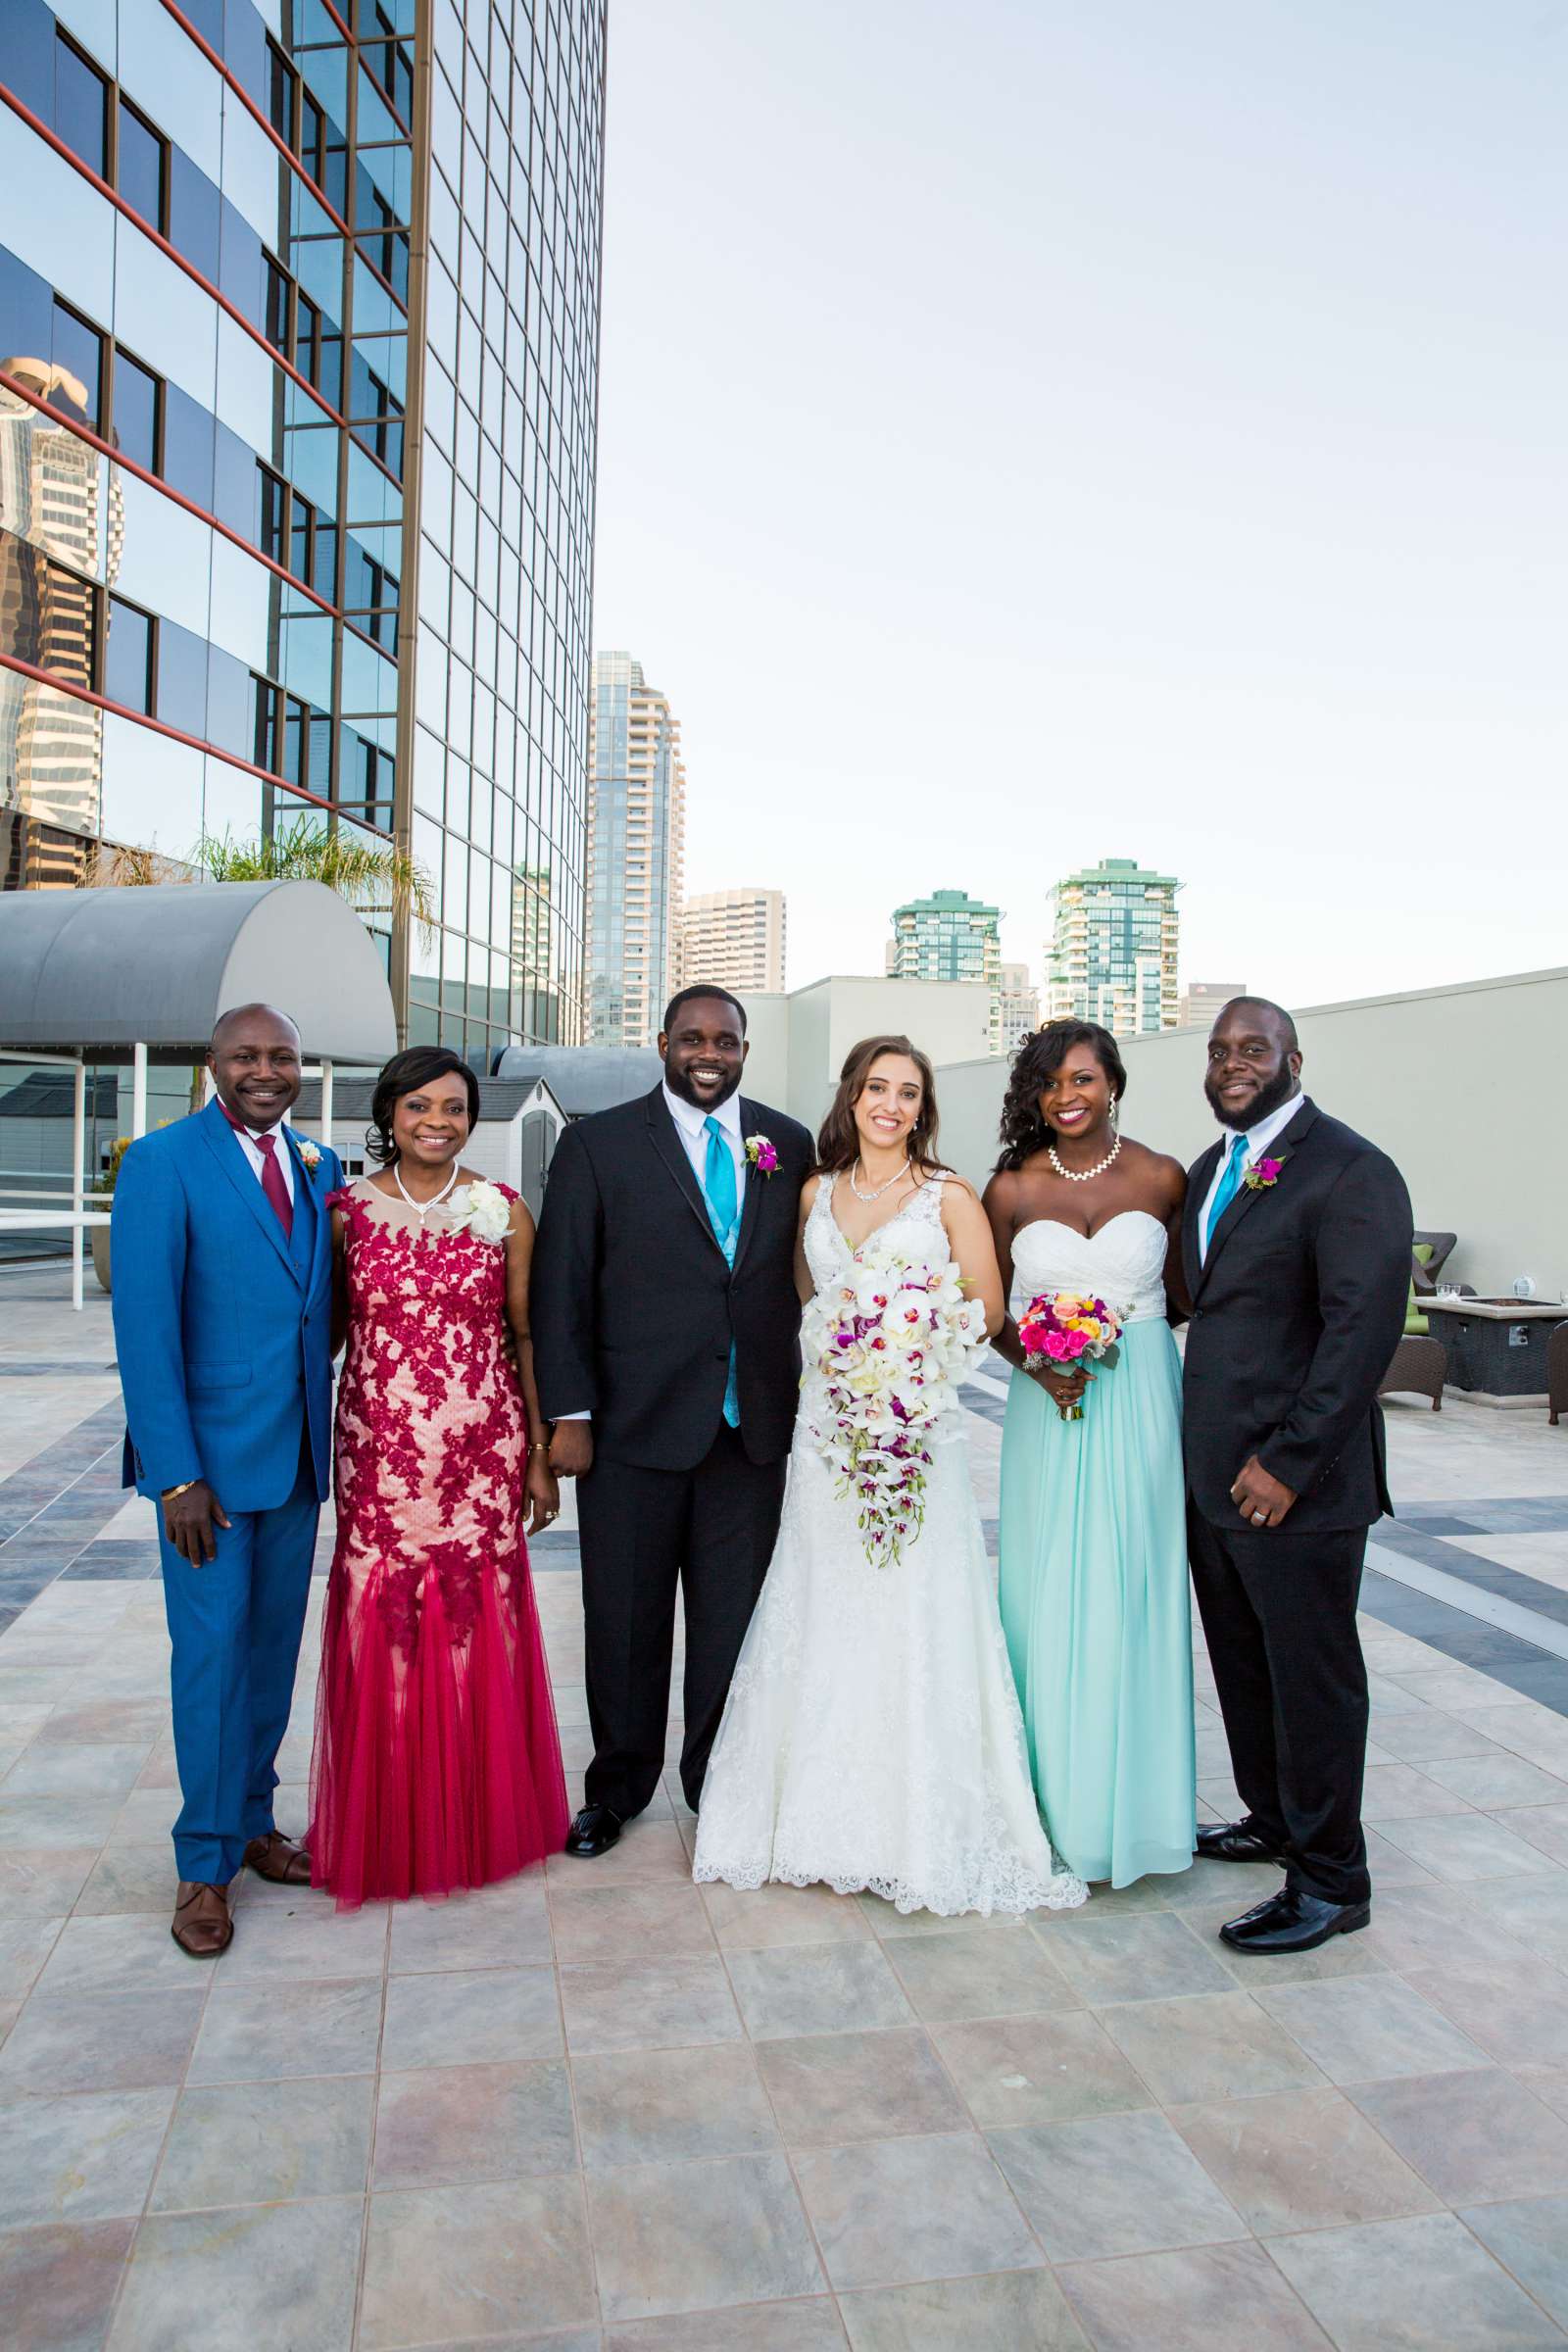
x=1095, y=1606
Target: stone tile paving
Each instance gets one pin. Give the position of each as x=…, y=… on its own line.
x=599, y=2110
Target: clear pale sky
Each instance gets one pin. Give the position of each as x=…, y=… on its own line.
x=1034, y=433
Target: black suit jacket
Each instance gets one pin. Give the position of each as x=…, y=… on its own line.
x=633, y=1307
x=1297, y=1312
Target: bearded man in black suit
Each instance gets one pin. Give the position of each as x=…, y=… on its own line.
x=667, y=1342
x=1297, y=1250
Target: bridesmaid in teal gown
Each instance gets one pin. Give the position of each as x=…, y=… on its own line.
x=1094, y=1586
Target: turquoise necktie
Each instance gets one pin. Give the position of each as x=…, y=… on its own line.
x=722, y=1196
x=1228, y=1184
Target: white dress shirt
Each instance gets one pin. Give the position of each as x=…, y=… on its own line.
x=1257, y=1141
x=246, y=1137
x=691, y=1125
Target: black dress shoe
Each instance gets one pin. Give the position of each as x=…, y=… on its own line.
x=593, y=1831
x=1235, y=1842
x=1293, y=1920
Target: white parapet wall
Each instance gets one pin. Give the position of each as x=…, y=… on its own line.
x=1465, y=1087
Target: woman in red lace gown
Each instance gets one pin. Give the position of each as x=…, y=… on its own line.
x=437, y=1764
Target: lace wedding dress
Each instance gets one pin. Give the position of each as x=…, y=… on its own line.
x=872, y=1739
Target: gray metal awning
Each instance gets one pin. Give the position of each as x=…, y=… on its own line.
x=98, y=972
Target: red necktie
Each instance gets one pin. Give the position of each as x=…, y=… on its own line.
x=272, y=1184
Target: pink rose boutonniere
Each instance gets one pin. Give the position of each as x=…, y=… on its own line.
x=310, y=1154
x=762, y=1155
x=1266, y=1172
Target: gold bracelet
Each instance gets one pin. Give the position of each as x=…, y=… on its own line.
x=169, y=1492
x=542, y=1447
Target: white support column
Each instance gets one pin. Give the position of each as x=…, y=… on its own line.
x=79, y=1152
x=327, y=1104
x=138, y=1091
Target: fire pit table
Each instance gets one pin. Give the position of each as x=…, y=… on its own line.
x=1497, y=1347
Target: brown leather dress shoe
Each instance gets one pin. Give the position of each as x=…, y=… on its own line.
x=279, y=1859
x=201, y=1925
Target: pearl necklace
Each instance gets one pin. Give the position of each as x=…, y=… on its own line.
x=1083, y=1175
x=422, y=1208
x=902, y=1170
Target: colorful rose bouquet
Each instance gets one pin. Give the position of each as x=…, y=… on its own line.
x=1065, y=1328
x=890, y=1343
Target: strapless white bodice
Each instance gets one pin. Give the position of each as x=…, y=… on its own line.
x=1123, y=1264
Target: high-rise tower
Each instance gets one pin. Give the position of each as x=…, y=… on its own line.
x=636, y=852
x=1113, y=954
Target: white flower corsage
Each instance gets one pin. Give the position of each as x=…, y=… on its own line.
x=483, y=1211
x=762, y=1154
x=310, y=1153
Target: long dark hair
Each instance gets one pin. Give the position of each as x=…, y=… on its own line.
x=405, y=1074
x=838, y=1145
x=1039, y=1058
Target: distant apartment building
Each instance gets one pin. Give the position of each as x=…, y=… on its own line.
x=636, y=852
x=950, y=936
x=1202, y=999
x=734, y=938
x=1018, y=1005
x=1112, y=953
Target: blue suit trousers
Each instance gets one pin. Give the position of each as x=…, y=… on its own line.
x=235, y=1626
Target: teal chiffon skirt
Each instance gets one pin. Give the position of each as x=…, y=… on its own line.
x=1094, y=1604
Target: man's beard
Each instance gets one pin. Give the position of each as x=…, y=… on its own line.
x=1269, y=1098
x=679, y=1084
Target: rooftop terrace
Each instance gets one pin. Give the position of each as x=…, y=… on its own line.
x=601, y=2110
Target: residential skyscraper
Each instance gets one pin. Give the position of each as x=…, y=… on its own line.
x=301, y=303
x=950, y=936
x=736, y=938
x=636, y=852
x=1018, y=1009
x=1113, y=954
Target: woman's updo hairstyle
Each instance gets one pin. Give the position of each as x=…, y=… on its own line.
x=405, y=1074
x=1037, y=1062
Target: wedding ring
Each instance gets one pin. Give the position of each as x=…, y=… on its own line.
x=1259, y=1518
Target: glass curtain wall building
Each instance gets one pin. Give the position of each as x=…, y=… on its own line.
x=298, y=387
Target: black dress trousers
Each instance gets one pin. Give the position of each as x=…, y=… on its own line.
x=1279, y=1613
x=711, y=1531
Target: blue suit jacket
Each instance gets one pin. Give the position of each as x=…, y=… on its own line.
x=223, y=1325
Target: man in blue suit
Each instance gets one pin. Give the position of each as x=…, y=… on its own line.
x=222, y=1258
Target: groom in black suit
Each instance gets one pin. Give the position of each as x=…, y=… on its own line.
x=667, y=1342
x=1297, y=1248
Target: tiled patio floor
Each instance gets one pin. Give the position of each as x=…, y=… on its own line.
x=598, y=2108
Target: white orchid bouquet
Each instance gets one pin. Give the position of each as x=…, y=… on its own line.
x=891, y=1342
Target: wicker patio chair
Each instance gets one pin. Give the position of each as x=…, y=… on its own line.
x=1557, y=1374
x=1424, y=1270
x=1420, y=1367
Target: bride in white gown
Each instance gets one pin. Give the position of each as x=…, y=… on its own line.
x=872, y=1739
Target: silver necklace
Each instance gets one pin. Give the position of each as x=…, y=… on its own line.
x=1083, y=1175
x=900, y=1170
x=422, y=1208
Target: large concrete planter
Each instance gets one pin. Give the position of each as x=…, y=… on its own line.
x=98, y=1235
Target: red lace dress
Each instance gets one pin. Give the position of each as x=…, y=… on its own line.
x=437, y=1763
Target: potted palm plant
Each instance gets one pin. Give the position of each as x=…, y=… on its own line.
x=100, y=1198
